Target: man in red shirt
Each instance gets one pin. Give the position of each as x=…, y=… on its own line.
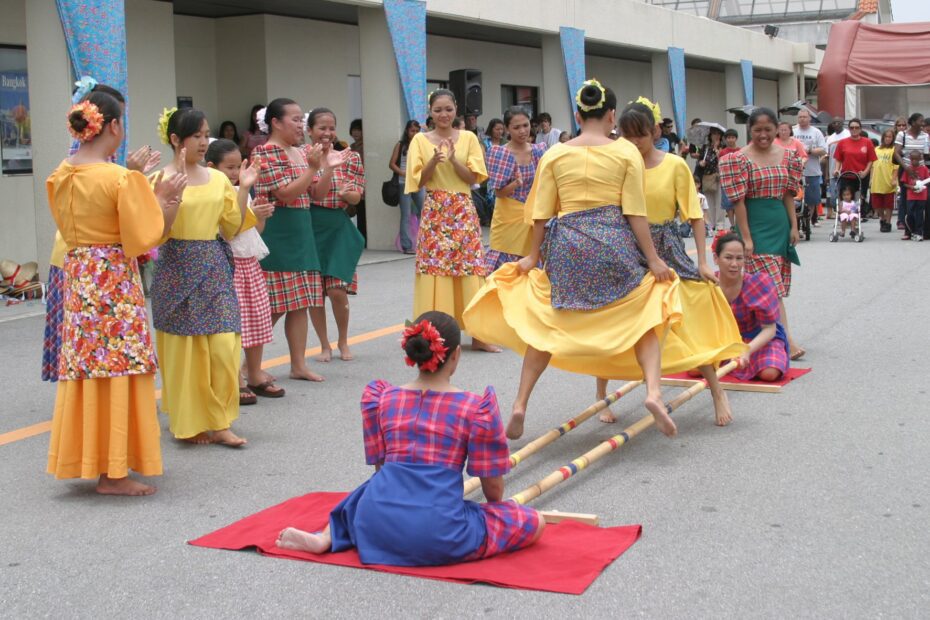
x=855, y=154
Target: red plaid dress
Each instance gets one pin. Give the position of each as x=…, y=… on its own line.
x=287, y=290
x=411, y=430
x=350, y=176
x=755, y=306
x=741, y=179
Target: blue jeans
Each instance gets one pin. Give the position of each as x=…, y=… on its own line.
x=902, y=206
x=409, y=203
x=915, y=216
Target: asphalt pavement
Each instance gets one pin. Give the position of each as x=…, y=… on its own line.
x=814, y=503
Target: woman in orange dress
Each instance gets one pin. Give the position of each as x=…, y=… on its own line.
x=105, y=420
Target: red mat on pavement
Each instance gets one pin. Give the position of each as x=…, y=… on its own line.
x=788, y=377
x=567, y=559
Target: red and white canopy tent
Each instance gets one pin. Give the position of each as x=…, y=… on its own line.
x=861, y=54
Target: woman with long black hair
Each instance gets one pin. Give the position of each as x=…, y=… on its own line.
x=410, y=203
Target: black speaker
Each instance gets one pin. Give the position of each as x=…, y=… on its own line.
x=465, y=84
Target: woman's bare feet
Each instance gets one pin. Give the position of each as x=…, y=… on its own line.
x=664, y=422
x=298, y=540
x=200, y=439
x=607, y=417
x=325, y=356
x=515, y=425
x=123, y=486
x=477, y=345
x=345, y=354
x=228, y=438
x=722, y=413
x=305, y=374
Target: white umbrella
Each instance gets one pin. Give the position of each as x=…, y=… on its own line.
x=699, y=132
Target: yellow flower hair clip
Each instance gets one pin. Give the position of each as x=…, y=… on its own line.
x=166, y=114
x=656, y=112
x=596, y=106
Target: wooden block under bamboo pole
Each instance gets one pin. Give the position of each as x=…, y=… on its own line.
x=554, y=516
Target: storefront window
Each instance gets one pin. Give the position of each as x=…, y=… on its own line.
x=15, y=120
x=527, y=97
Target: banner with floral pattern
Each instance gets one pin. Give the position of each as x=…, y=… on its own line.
x=748, y=94
x=572, y=40
x=406, y=21
x=676, y=78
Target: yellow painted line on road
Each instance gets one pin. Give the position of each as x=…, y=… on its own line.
x=44, y=427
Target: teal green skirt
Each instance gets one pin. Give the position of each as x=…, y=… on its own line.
x=770, y=228
x=290, y=240
x=339, y=244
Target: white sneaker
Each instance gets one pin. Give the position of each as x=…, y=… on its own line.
x=917, y=237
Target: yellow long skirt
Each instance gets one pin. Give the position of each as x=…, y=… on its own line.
x=516, y=310
x=105, y=426
x=708, y=332
x=200, y=381
x=449, y=294
x=510, y=233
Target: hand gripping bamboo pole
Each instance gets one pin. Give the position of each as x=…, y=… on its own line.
x=472, y=484
x=605, y=447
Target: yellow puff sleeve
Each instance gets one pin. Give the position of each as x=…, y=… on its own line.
x=475, y=158
x=689, y=205
x=543, y=201
x=231, y=221
x=141, y=220
x=415, y=163
x=633, y=189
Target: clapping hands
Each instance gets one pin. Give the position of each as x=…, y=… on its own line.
x=248, y=172
x=144, y=159
x=262, y=208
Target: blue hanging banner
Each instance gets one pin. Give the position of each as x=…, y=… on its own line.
x=406, y=21
x=748, y=94
x=676, y=78
x=572, y=40
x=95, y=33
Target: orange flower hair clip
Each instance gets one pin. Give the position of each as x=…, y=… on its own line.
x=437, y=345
x=92, y=116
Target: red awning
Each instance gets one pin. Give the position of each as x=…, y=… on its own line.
x=858, y=53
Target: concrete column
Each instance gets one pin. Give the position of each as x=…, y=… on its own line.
x=554, y=97
x=383, y=116
x=49, y=97
x=662, y=88
x=787, y=89
x=733, y=80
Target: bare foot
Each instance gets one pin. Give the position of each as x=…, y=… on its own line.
x=515, y=425
x=477, y=345
x=345, y=354
x=325, y=356
x=664, y=422
x=306, y=375
x=298, y=540
x=123, y=486
x=228, y=438
x=201, y=439
x=722, y=413
x=607, y=417
x=267, y=376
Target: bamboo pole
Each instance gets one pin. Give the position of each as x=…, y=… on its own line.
x=605, y=447
x=472, y=484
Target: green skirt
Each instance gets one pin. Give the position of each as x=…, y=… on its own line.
x=338, y=242
x=290, y=240
x=770, y=228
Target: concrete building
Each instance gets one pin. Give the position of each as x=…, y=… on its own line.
x=228, y=56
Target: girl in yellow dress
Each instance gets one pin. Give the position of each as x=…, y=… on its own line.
x=105, y=420
x=708, y=332
x=450, y=261
x=604, y=298
x=194, y=304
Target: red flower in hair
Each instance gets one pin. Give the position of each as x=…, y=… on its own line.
x=437, y=344
x=720, y=234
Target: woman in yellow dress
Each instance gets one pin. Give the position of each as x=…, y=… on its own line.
x=604, y=298
x=194, y=304
x=450, y=261
x=105, y=421
x=708, y=332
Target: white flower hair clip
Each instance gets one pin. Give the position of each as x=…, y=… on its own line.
x=260, y=120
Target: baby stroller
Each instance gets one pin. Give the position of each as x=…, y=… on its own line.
x=847, y=179
x=803, y=214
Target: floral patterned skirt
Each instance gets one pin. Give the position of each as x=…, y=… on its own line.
x=105, y=332
x=449, y=239
x=670, y=248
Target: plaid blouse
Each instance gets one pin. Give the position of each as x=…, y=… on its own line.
x=502, y=166
x=757, y=303
x=434, y=428
x=278, y=171
x=350, y=175
x=742, y=178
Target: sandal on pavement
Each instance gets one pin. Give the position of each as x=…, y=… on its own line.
x=262, y=390
x=247, y=397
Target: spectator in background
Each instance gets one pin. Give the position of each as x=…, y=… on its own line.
x=253, y=136
x=835, y=133
x=673, y=140
x=730, y=138
x=430, y=123
x=706, y=176
x=565, y=137
x=916, y=196
x=494, y=135
x=471, y=123
x=815, y=145
x=358, y=138
x=547, y=134
x=906, y=142
x=884, y=181
x=228, y=131
x=855, y=154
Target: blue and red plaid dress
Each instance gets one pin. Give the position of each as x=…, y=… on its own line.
x=411, y=512
x=502, y=168
x=755, y=306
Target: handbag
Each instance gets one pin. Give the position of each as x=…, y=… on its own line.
x=390, y=189
x=710, y=182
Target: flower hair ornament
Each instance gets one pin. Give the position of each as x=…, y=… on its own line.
x=654, y=107
x=260, y=120
x=94, y=118
x=437, y=344
x=596, y=106
x=166, y=114
x=85, y=86
x=720, y=234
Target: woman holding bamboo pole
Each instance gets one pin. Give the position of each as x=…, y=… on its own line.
x=708, y=332
x=605, y=297
x=418, y=436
